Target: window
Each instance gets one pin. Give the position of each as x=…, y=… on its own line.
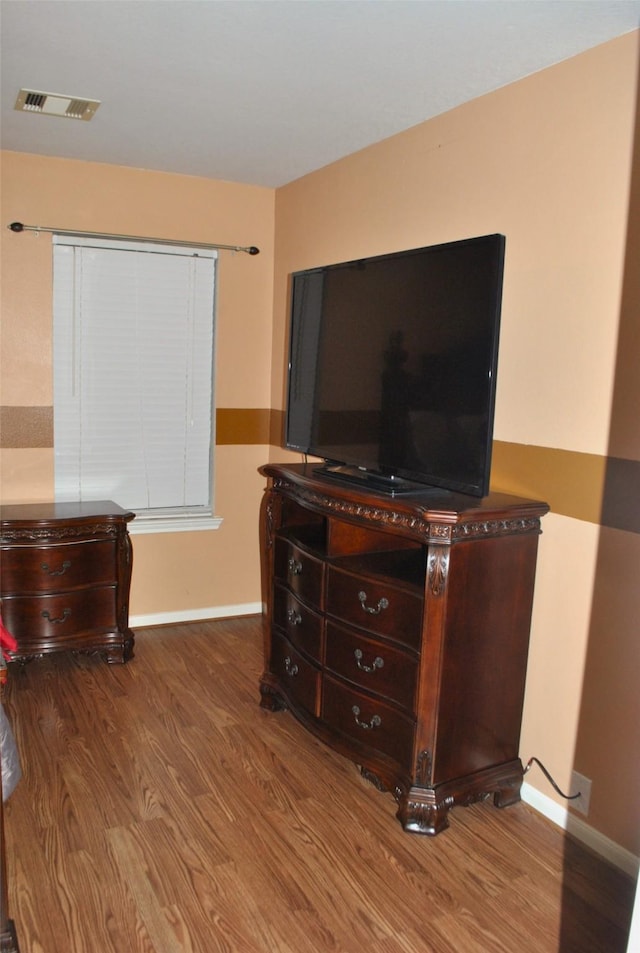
x=133, y=378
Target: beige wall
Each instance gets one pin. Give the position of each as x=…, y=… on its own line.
x=547, y=161
x=177, y=572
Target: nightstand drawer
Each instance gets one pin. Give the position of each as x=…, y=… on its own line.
x=367, y=720
x=375, y=605
x=50, y=620
x=373, y=665
x=300, y=571
x=302, y=625
x=55, y=568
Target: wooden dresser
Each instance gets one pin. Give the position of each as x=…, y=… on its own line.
x=397, y=631
x=65, y=578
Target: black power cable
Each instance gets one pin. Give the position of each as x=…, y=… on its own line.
x=567, y=797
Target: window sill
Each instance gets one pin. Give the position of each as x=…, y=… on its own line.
x=173, y=524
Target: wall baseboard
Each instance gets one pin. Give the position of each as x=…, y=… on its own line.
x=579, y=830
x=195, y=615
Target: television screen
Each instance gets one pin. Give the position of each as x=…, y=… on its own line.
x=392, y=365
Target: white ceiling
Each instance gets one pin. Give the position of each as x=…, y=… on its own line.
x=264, y=91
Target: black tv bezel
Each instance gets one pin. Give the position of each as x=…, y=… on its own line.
x=398, y=480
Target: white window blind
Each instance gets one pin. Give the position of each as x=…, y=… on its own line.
x=133, y=375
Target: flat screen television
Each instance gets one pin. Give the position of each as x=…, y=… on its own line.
x=392, y=366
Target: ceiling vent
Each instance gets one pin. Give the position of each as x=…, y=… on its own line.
x=55, y=104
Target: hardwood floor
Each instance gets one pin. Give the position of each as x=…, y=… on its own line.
x=162, y=811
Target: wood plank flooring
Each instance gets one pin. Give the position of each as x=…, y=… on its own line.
x=162, y=811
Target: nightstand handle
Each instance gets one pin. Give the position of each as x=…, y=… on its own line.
x=56, y=572
x=65, y=615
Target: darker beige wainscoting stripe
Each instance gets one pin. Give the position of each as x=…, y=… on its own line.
x=621, y=501
x=26, y=427
x=585, y=486
x=240, y=425
x=571, y=483
x=276, y=434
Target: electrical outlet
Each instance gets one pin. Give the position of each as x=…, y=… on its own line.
x=582, y=785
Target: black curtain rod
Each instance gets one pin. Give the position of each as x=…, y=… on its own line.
x=19, y=227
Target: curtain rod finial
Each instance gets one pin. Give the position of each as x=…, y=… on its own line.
x=16, y=227
x=253, y=250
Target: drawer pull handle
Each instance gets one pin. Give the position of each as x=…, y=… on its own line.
x=56, y=572
x=295, y=566
x=65, y=615
x=373, y=610
x=374, y=722
x=291, y=670
x=377, y=662
x=294, y=617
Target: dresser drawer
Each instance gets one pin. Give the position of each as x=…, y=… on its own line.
x=302, y=625
x=373, y=665
x=299, y=679
x=298, y=569
x=375, y=605
x=368, y=720
x=55, y=568
x=50, y=620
